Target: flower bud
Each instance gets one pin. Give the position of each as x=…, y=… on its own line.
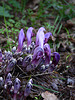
x=29, y=35
x=47, y=35
x=47, y=52
x=38, y=54
x=28, y=88
x=16, y=85
x=56, y=58
x=27, y=60
x=11, y=65
x=40, y=37
x=1, y=82
x=8, y=78
x=14, y=49
x=21, y=39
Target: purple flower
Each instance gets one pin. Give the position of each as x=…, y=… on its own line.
x=28, y=88
x=16, y=88
x=8, y=82
x=47, y=35
x=9, y=85
x=40, y=37
x=38, y=54
x=21, y=39
x=29, y=35
x=16, y=85
x=56, y=58
x=1, y=82
x=47, y=52
x=8, y=78
x=14, y=49
x=0, y=55
x=11, y=65
x=27, y=60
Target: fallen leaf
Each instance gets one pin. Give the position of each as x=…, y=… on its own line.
x=48, y=96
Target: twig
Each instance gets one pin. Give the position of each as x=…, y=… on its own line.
x=21, y=69
x=38, y=75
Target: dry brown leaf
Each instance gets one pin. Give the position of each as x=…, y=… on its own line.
x=48, y=96
x=71, y=21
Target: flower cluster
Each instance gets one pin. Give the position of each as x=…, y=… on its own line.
x=12, y=87
x=41, y=49
x=29, y=56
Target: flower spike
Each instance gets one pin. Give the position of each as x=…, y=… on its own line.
x=0, y=55
x=16, y=88
x=8, y=78
x=21, y=39
x=38, y=54
x=56, y=58
x=16, y=85
x=1, y=82
x=40, y=37
x=28, y=88
x=29, y=35
x=47, y=52
x=11, y=65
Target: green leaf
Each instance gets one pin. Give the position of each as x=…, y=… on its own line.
x=36, y=98
x=7, y=7
x=4, y=12
x=16, y=30
x=18, y=24
x=11, y=20
x=23, y=22
x=9, y=31
x=2, y=31
x=15, y=3
x=39, y=86
x=9, y=24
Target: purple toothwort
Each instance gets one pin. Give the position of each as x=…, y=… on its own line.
x=16, y=88
x=56, y=58
x=0, y=56
x=40, y=37
x=1, y=82
x=27, y=60
x=21, y=39
x=8, y=78
x=47, y=52
x=11, y=65
x=47, y=35
x=28, y=88
x=29, y=35
x=38, y=54
x=54, y=62
x=8, y=82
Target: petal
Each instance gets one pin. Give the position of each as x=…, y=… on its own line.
x=40, y=37
x=29, y=34
x=47, y=35
x=56, y=58
x=38, y=54
x=21, y=39
x=47, y=52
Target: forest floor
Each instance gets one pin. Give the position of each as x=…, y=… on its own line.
x=62, y=79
